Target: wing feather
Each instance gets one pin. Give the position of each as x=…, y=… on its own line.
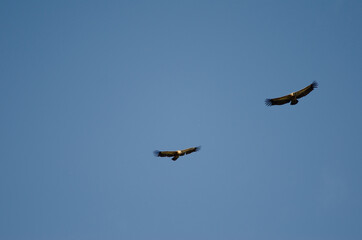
x=165, y=153
x=191, y=150
x=305, y=91
x=278, y=101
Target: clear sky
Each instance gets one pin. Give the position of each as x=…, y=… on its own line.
x=89, y=89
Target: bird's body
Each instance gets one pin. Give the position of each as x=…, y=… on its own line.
x=176, y=154
x=292, y=98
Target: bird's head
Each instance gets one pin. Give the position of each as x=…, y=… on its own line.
x=179, y=152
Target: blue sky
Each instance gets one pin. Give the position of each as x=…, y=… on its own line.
x=89, y=89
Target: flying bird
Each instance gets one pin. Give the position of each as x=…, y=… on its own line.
x=176, y=154
x=292, y=98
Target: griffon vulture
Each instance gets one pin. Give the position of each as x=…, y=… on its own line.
x=176, y=154
x=292, y=98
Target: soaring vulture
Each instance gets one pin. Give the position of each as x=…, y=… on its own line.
x=292, y=98
x=176, y=154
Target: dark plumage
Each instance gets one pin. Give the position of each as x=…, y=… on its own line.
x=292, y=98
x=176, y=154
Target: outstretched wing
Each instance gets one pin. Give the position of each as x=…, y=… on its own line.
x=305, y=91
x=165, y=153
x=278, y=101
x=191, y=150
